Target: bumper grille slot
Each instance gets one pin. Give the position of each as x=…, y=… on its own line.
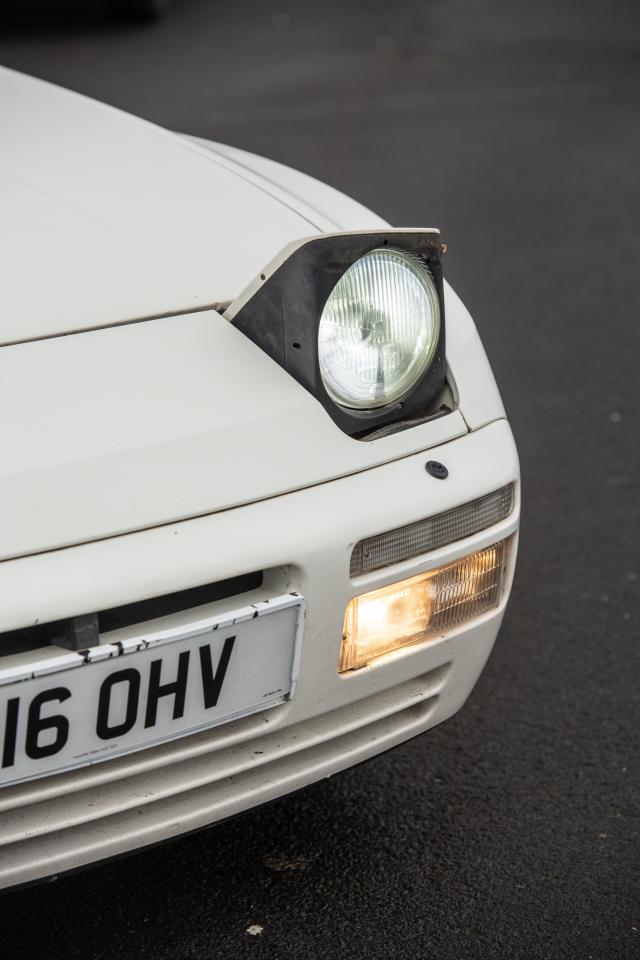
x=69, y=633
x=48, y=825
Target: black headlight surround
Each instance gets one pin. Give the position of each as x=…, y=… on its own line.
x=283, y=314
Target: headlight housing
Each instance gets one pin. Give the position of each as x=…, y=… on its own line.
x=379, y=329
x=358, y=320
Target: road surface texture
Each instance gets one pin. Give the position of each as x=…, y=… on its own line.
x=512, y=830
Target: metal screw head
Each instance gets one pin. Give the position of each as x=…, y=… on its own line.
x=436, y=469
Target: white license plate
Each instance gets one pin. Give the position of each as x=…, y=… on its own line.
x=75, y=709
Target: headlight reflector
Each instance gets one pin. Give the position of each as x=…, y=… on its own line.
x=379, y=329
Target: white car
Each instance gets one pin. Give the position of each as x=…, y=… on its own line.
x=259, y=516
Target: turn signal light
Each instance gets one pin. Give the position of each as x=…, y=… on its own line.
x=421, y=608
x=403, y=543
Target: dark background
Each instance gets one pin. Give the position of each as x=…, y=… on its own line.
x=512, y=830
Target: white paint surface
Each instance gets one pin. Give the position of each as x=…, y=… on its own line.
x=105, y=217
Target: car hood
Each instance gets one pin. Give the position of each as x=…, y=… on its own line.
x=106, y=218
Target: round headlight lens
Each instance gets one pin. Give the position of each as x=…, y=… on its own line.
x=379, y=329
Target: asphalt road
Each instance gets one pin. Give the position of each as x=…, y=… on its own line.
x=512, y=830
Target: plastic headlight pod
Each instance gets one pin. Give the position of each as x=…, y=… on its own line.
x=422, y=607
x=358, y=319
x=379, y=329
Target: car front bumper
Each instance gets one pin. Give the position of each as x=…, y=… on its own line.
x=303, y=542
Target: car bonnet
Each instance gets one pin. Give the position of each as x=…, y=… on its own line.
x=106, y=218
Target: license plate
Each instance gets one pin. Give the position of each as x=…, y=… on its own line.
x=60, y=710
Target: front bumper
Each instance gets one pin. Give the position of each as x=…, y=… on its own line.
x=303, y=542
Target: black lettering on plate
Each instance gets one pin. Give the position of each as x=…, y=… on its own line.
x=132, y=678
x=10, y=730
x=36, y=724
x=212, y=685
x=177, y=689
